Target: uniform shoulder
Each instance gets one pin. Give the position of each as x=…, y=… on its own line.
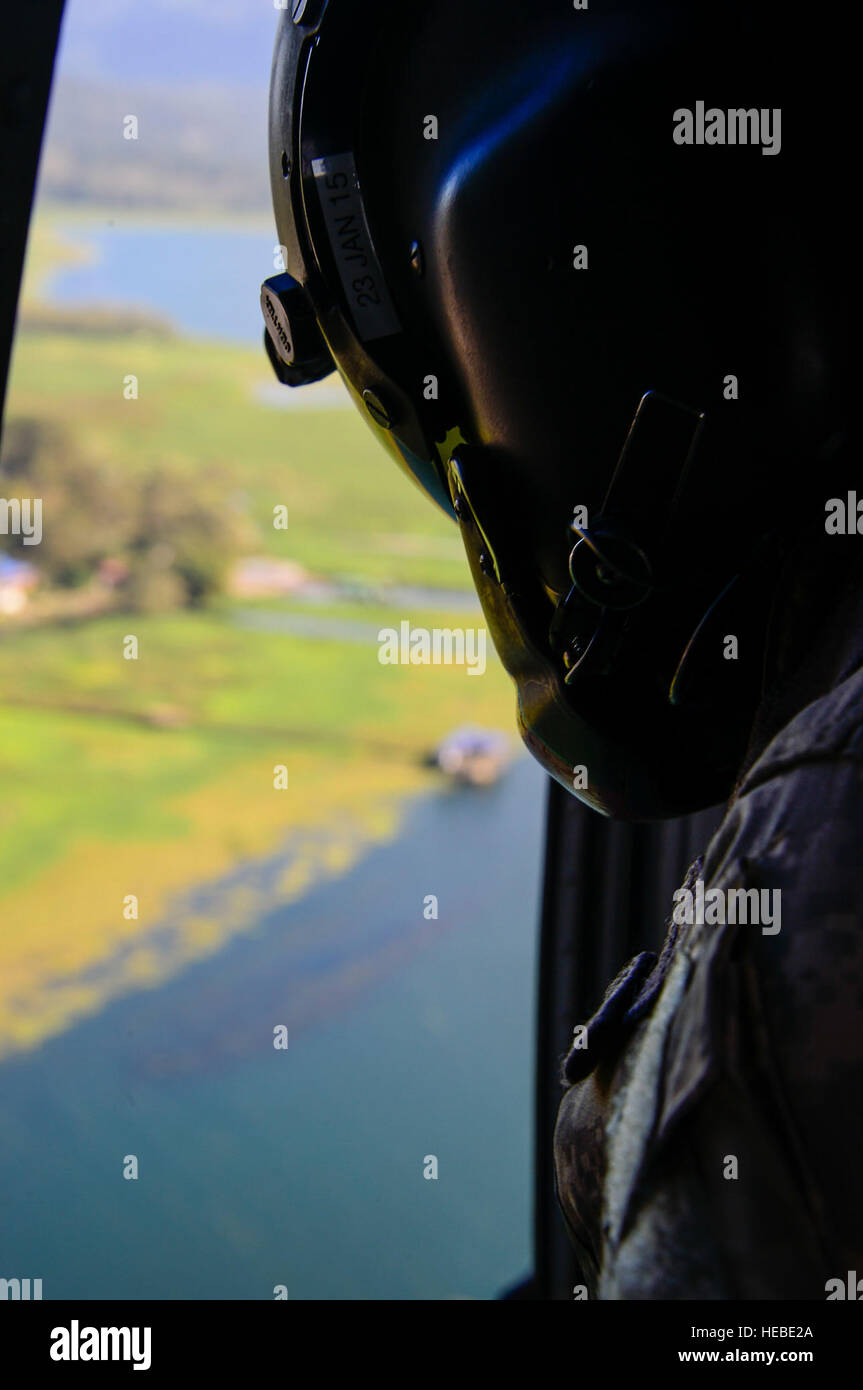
x=827, y=728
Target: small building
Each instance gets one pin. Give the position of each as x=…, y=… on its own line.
x=17, y=579
x=263, y=576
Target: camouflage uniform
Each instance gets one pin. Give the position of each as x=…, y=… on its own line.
x=737, y=1044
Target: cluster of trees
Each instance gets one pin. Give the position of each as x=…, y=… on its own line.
x=163, y=540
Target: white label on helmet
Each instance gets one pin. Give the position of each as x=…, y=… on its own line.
x=358, y=266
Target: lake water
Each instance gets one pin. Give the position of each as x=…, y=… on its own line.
x=304, y=1167
x=207, y=282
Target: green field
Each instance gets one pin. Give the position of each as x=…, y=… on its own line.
x=151, y=775
x=351, y=510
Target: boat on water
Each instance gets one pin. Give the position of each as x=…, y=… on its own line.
x=473, y=755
